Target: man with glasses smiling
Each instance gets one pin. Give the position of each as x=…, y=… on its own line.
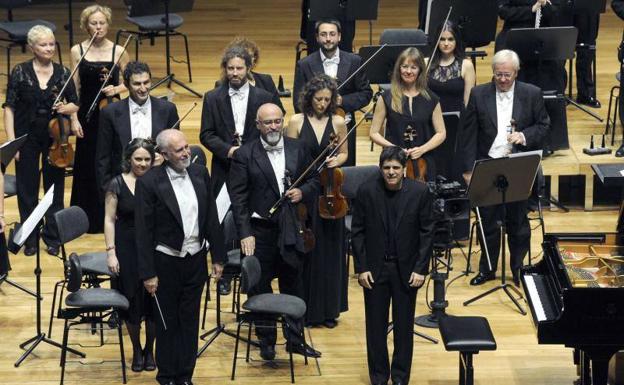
x=502, y=117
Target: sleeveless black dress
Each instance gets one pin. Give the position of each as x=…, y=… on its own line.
x=325, y=276
x=85, y=191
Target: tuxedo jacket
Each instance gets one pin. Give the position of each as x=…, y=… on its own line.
x=218, y=128
x=115, y=133
x=158, y=220
x=252, y=183
x=414, y=228
x=480, y=124
x=356, y=94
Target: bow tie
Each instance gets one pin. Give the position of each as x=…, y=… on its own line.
x=141, y=109
x=273, y=149
x=177, y=175
x=334, y=60
x=236, y=93
x=502, y=96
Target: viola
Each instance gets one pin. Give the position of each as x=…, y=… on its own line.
x=61, y=152
x=332, y=204
x=104, y=74
x=302, y=217
x=416, y=168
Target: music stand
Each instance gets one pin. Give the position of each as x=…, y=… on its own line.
x=166, y=7
x=379, y=69
x=497, y=182
x=350, y=10
x=16, y=240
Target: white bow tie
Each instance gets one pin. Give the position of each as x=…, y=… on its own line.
x=141, y=109
x=178, y=175
x=236, y=93
x=505, y=95
x=334, y=60
x=276, y=149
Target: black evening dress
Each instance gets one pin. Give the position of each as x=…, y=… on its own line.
x=325, y=275
x=85, y=191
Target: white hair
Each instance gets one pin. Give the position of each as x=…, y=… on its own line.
x=506, y=56
x=38, y=32
x=164, y=138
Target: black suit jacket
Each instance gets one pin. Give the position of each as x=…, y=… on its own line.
x=356, y=94
x=479, y=127
x=252, y=184
x=414, y=232
x=115, y=133
x=158, y=219
x=618, y=7
x=218, y=128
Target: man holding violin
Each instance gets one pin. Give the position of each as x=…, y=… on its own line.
x=139, y=115
x=256, y=182
x=340, y=65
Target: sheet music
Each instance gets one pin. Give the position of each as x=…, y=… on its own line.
x=223, y=203
x=27, y=227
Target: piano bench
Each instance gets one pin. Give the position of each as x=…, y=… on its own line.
x=468, y=336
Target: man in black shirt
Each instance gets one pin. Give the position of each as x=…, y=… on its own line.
x=394, y=267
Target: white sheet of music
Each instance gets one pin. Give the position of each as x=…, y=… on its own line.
x=223, y=203
x=34, y=218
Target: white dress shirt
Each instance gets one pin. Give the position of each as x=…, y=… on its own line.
x=504, y=110
x=330, y=65
x=140, y=119
x=187, y=201
x=278, y=161
x=238, y=100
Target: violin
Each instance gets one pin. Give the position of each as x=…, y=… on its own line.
x=104, y=74
x=302, y=216
x=332, y=204
x=61, y=152
x=416, y=168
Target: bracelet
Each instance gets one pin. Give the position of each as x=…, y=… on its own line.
x=109, y=248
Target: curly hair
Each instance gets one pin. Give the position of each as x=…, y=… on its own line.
x=230, y=53
x=249, y=45
x=135, y=144
x=316, y=84
x=93, y=9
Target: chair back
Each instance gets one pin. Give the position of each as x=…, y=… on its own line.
x=12, y=4
x=198, y=156
x=71, y=223
x=230, y=232
x=354, y=176
x=74, y=273
x=403, y=36
x=250, y=273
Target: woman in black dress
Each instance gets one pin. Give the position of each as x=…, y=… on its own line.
x=97, y=63
x=121, y=249
x=32, y=89
x=325, y=276
x=410, y=104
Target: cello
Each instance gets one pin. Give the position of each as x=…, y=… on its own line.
x=332, y=204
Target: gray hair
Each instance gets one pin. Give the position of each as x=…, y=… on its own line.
x=506, y=56
x=38, y=32
x=164, y=137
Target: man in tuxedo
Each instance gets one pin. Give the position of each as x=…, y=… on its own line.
x=176, y=224
x=392, y=245
x=256, y=182
x=488, y=132
x=339, y=65
x=308, y=34
x=228, y=114
x=139, y=115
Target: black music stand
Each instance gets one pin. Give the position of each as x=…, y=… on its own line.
x=7, y=153
x=32, y=225
x=166, y=7
x=498, y=182
x=379, y=69
x=351, y=10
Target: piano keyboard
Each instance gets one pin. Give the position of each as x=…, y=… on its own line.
x=538, y=308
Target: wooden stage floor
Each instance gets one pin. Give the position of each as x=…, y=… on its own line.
x=275, y=27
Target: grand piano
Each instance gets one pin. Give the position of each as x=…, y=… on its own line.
x=576, y=296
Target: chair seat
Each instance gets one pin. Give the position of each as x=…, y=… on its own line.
x=348, y=221
x=156, y=22
x=466, y=334
x=10, y=185
x=18, y=30
x=233, y=258
x=280, y=304
x=94, y=263
x=617, y=76
x=97, y=297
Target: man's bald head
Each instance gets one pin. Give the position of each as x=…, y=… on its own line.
x=270, y=122
x=268, y=109
x=174, y=147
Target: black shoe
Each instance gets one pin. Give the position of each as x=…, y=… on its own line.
x=185, y=383
x=267, y=352
x=330, y=323
x=482, y=278
x=137, y=362
x=619, y=153
x=516, y=280
x=169, y=383
x=52, y=250
x=29, y=251
x=590, y=101
x=149, y=364
x=547, y=151
x=224, y=286
x=304, y=348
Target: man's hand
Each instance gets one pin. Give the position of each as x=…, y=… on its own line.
x=248, y=245
x=416, y=280
x=109, y=90
x=151, y=285
x=76, y=128
x=365, y=280
x=232, y=151
x=295, y=195
x=515, y=138
x=217, y=270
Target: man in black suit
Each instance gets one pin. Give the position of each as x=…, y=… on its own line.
x=392, y=244
x=307, y=32
x=176, y=217
x=255, y=183
x=139, y=115
x=339, y=65
x=488, y=132
x=229, y=111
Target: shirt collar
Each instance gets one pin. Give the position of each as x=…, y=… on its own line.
x=134, y=104
x=336, y=55
x=279, y=145
x=243, y=89
x=506, y=95
x=173, y=174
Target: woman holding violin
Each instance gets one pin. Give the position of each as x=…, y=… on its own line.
x=324, y=272
x=412, y=114
x=93, y=68
x=33, y=87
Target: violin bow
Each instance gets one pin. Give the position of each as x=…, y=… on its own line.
x=71, y=75
x=176, y=124
x=361, y=66
x=438, y=40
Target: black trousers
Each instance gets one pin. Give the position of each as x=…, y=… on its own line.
x=389, y=288
x=518, y=234
x=587, y=25
x=290, y=280
x=33, y=155
x=180, y=285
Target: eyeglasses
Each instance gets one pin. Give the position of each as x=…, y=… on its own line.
x=271, y=122
x=503, y=75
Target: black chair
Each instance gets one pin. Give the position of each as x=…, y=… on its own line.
x=403, y=36
x=17, y=31
x=85, y=304
x=198, y=156
x=266, y=307
x=612, y=112
x=468, y=336
x=10, y=186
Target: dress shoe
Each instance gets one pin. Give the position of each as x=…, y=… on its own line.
x=304, y=349
x=516, y=280
x=137, y=362
x=29, y=251
x=168, y=383
x=52, y=250
x=267, y=352
x=148, y=361
x=482, y=278
x=547, y=151
x=590, y=101
x=224, y=286
x=185, y=383
x=330, y=323
x=619, y=153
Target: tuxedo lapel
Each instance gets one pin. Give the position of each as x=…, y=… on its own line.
x=316, y=64
x=291, y=160
x=164, y=185
x=262, y=159
x=343, y=69
x=159, y=120
x=225, y=109
x=200, y=192
x=490, y=102
x=518, y=97
x=250, y=116
x=122, y=123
